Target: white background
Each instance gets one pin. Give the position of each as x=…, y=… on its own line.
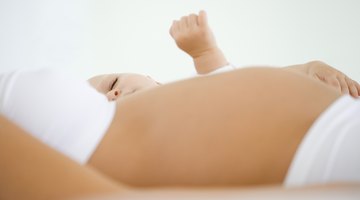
x=104, y=36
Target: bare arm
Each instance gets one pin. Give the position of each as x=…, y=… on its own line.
x=193, y=35
x=31, y=170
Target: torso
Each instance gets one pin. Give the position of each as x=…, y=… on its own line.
x=220, y=130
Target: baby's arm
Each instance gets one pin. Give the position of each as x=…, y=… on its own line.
x=193, y=35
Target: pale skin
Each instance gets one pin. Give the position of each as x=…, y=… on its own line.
x=213, y=130
x=205, y=131
x=194, y=36
x=32, y=170
x=180, y=138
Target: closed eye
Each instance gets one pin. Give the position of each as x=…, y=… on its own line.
x=113, y=84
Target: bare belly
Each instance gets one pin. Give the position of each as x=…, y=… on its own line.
x=227, y=129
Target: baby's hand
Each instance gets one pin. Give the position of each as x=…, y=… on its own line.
x=193, y=35
x=333, y=77
x=328, y=75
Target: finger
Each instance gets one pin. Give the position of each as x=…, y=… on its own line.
x=183, y=23
x=352, y=87
x=193, y=20
x=333, y=82
x=357, y=87
x=343, y=85
x=203, y=18
x=174, y=30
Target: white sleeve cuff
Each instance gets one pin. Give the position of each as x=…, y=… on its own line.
x=225, y=68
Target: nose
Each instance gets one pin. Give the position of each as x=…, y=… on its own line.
x=113, y=95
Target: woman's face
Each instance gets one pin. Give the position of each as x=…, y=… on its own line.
x=115, y=86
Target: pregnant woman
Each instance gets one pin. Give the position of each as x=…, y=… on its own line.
x=248, y=126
